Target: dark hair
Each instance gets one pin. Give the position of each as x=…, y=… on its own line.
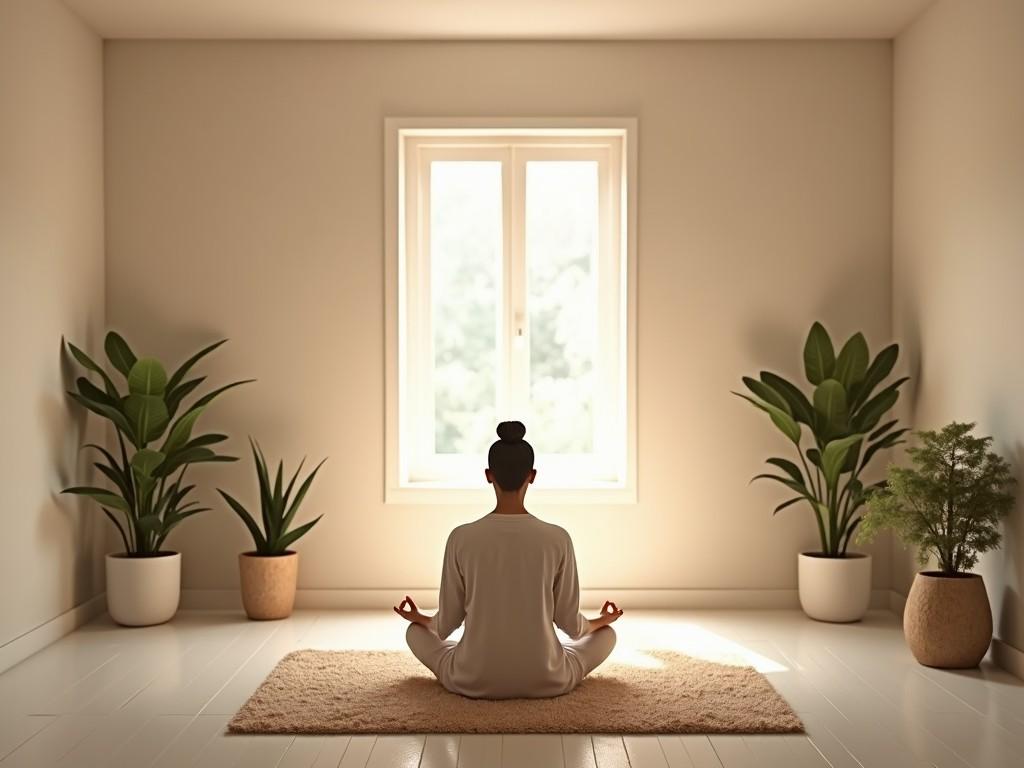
x=510, y=457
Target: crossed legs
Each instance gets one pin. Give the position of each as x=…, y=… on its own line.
x=427, y=646
x=588, y=652
x=591, y=650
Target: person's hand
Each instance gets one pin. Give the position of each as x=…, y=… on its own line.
x=610, y=613
x=407, y=610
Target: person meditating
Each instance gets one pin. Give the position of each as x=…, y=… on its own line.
x=510, y=576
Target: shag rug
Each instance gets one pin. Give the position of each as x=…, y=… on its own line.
x=390, y=692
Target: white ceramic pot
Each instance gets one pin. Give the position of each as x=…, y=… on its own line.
x=143, y=590
x=835, y=588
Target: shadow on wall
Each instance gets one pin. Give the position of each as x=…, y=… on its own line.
x=842, y=308
x=1008, y=609
x=64, y=521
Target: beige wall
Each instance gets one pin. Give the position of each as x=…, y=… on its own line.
x=51, y=249
x=959, y=242
x=244, y=198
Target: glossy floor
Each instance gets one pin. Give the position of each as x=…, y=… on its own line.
x=161, y=696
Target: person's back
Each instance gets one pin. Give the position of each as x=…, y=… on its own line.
x=519, y=577
x=511, y=577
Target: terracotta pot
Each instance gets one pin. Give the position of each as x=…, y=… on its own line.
x=268, y=584
x=142, y=591
x=834, y=589
x=948, y=621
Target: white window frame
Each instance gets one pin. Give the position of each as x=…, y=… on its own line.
x=410, y=144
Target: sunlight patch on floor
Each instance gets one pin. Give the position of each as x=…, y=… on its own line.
x=692, y=640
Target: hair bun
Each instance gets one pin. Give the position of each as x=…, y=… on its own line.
x=511, y=431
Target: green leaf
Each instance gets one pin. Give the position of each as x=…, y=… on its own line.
x=120, y=528
x=767, y=394
x=791, y=484
x=114, y=475
x=184, y=368
x=147, y=377
x=889, y=441
x=830, y=404
x=173, y=521
x=880, y=367
x=799, y=406
x=203, y=440
x=145, y=462
x=868, y=416
x=114, y=471
x=190, y=456
x=789, y=503
x=789, y=468
x=780, y=418
x=209, y=396
x=883, y=429
x=294, y=507
x=149, y=524
x=819, y=356
x=182, y=430
x=291, y=483
x=107, y=412
x=173, y=495
x=243, y=514
x=173, y=397
x=99, y=495
x=834, y=456
x=263, y=479
x=852, y=457
x=852, y=363
x=147, y=415
x=119, y=353
x=279, y=493
x=87, y=362
x=287, y=539
x=814, y=456
x=90, y=391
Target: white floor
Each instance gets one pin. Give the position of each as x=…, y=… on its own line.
x=161, y=696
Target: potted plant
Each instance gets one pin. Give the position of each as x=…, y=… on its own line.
x=149, y=497
x=269, y=574
x=948, y=505
x=841, y=416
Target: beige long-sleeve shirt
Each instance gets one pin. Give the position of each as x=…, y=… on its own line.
x=511, y=578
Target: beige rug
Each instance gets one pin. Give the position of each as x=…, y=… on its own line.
x=390, y=692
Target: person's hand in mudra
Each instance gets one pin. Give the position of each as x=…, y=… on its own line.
x=610, y=613
x=407, y=610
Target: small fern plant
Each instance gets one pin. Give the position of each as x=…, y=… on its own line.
x=277, y=507
x=949, y=503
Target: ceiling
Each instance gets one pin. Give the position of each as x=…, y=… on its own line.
x=498, y=19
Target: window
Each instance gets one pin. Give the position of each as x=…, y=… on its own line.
x=509, y=296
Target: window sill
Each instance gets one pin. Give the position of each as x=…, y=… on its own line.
x=434, y=494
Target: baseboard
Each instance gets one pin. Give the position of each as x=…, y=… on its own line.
x=225, y=599
x=1008, y=657
x=23, y=646
x=897, y=602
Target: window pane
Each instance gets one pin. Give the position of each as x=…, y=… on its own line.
x=465, y=270
x=561, y=252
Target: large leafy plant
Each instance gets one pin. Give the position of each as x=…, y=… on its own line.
x=277, y=507
x=949, y=503
x=149, y=497
x=841, y=417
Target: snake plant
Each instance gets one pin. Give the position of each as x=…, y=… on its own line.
x=277, y=507
x=149, y=496
x=841, y=417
